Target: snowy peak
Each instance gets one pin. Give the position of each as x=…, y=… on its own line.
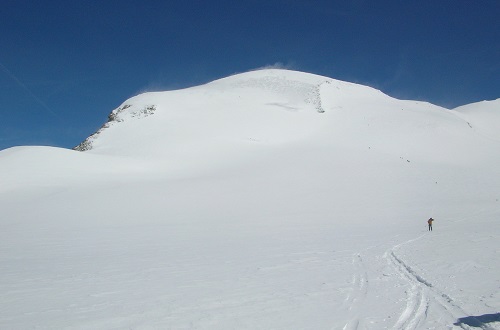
x=295, y=87
x=279, y=89
x=273, y=109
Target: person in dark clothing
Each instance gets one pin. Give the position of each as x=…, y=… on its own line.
x=430, y=223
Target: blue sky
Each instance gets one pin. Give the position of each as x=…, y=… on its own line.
x=65, y=65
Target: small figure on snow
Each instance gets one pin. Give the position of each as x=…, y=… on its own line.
x=430, y=223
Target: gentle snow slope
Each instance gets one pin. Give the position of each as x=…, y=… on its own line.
x=483, y=116
x=267, y=200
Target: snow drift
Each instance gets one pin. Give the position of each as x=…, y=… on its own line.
x=270, y=199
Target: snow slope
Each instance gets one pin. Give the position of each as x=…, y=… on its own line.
x=482, y=116
x=272, y=199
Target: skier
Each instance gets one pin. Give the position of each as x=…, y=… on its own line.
x=430, y=223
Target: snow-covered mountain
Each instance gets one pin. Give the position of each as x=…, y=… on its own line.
x=271, y=199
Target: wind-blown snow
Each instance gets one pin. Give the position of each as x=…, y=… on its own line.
x=267, y=200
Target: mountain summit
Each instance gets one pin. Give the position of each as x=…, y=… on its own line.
x=273, y=108
x=231, y=107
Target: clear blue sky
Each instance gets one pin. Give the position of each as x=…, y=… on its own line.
x=65, y=65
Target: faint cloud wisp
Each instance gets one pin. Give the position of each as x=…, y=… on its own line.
x=277, y=65
x=27, y=90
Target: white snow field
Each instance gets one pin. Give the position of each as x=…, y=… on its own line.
x=272, y=199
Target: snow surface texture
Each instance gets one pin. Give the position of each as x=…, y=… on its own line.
x=268, y=200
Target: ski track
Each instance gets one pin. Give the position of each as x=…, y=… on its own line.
x=359, y=291
x=424, y=298
x=417, y=304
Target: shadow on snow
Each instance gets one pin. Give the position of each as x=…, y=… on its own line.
x=478, y=321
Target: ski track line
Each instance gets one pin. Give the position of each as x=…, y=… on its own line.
x=417, y=304
x=358, y=292
x=421, y=294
